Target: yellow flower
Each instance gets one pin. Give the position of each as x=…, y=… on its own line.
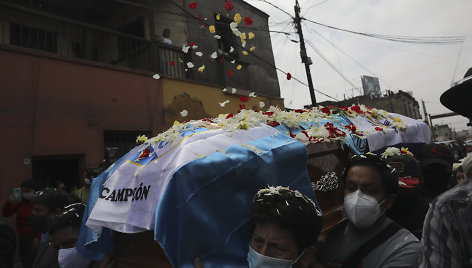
x=243, y=37
x=237, y=18
x=243, y=125
x=252, y=49
x=176, y=123
x=239, y=67
x=211, y=28
x=201, y=69
x=251, y=35
x=218, y=16
x=405, y=151
x=244, y=52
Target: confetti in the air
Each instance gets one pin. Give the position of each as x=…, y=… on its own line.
x=228, y=6
x=190, y=65
x=252, y=94
x=261, y=104
x=231, y=49
x=184, y=113
x=198, y=53
x=156, y=76
x=211, y=28
x=201, y=69
x=230, y=73
x=233, y=90
x=222, y=104
x=233, y=25
x=233, y=61
x=185, y=49
x=243, y=44
x=244, y=98
x=244, y=52
x=239, y=67
x=237, y=18
x=252, y=49
x=172, y=63
x=217, y=36
x=218, y=16
x=251, y=35
x=289, y=76
x=225, y=89
x=213, y=55
x=192, y=5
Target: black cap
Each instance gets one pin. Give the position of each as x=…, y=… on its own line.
x=436, y=154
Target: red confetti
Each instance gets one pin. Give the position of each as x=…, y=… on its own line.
x=357, y=109
x=192, y=5
x=268, y=113
x=221, y=60
x=229, y=6
x=326, y=110
x=145, y=153
x=243, y=98
x=273, y=123
x=242, y=107
x=199, y=19
x=230, y=73
x=172, y=63
x=379, y=129
x=289, y=76
x=229, y=116
x=300, y=111
x=248, y=21
x=192, y=44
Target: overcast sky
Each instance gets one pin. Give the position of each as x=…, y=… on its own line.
x=426, y=70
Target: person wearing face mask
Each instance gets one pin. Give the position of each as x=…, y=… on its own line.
x=369, y=238
x=86, y=181
x=22, y=207
x=64, y=231
x=46, y=204
x=436, y=167
x=286, y=228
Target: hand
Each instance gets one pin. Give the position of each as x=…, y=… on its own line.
x=197, y=263
x=13, y=198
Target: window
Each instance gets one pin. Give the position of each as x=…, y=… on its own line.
x=119, y=142
x=228, y=39
x=34, y=38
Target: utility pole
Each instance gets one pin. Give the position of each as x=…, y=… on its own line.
x=305, y=58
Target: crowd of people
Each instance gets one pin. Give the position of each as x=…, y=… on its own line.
x=402, y=211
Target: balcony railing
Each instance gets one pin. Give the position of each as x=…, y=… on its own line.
x=24, y=27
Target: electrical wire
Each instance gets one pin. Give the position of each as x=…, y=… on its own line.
x=256, y=56
x=329, y=63
x=265, y=1
x=395, y=38
x=315, y=5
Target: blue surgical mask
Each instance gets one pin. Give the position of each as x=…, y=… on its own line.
x=257, y=260
x=37, y=222
x=70, y=258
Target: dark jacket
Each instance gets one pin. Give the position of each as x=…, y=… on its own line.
x=46, y=256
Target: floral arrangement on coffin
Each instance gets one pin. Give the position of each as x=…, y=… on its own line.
x=311, y=122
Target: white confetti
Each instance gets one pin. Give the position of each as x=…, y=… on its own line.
x=243, y=44
x=190, y=65
x=233, y=90
x=184, y=113
x=233, y=25
x=213, y=55
x=156, y=76
x=231, y=49
x=194, y=47
x=225, y=89
x=185, y=49
x=233, y=61
x=217, y=36
x=236, y=32
x=222, y=104
x=252, y=94
x=198, y=53
x=261, y=104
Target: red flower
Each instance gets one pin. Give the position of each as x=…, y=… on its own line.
x=289, y=76
x=300, y=111
x=172, y=63
x=229, y=116
x=242, y=107
x=243, y=98
x=145, y=153
x=230, y=73
x=268, y=113
x=326, y=110
x=192, y=44
x=273, y=123
x=248, y=21
x=228, y=6
x=357, y=109
x=344, y=108
x=379, y=129
x=192, y=5
x=351, y=127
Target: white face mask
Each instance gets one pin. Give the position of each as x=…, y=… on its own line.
x=362, y=210
x=70, y=258
x=257, y=260
x=28, y=195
